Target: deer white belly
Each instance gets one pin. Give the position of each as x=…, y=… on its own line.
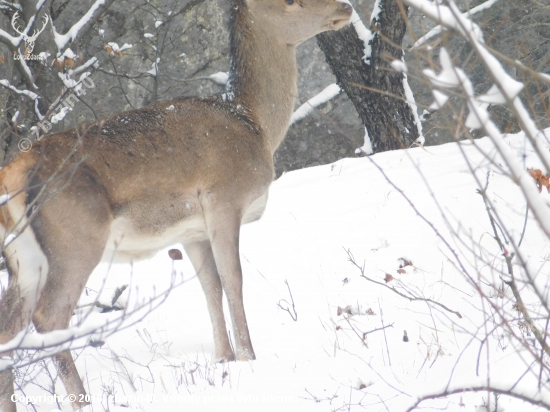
x=127, y=244
x=129, y=241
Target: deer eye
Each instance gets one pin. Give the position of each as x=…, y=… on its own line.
x=289, y=2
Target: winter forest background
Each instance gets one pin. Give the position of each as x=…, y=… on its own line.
x=192, y=44
x=415, y=278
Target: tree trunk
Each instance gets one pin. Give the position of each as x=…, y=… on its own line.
x=372, y=86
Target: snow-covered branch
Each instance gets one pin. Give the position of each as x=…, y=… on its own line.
x=437, y=29
x=364, y=34
x=31, y=95
x=28, y=93
x=327, y=94
x=81, y=27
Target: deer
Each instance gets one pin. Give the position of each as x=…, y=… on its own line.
x=186, y=171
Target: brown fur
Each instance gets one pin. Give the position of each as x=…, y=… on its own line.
x=188, y=170
x=14, y=181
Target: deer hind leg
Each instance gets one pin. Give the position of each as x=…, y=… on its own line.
x=54, y=312
x=223, y=230
x=200, y=254
x=73, y=229
x=27, y=267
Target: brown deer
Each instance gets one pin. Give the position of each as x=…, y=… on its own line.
x=189, y=171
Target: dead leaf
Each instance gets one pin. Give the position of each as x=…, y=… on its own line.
x=541, y=179
x=58, y=63
x=175, y=254
x=69, y=63
x=347, y=310
x=2, y=58
x=401, y=271
x=388, y=278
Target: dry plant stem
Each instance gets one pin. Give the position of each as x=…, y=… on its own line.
x=362, y=339
x=430, y=224
x=318, y=400
x=384, y=330
x=497, y=310
x=523, y=263
x=488, y=353
x=500, y=391
x=351, y=259
x=494, y=218
x=364, y=334
x=110, y=328
x=382, y=377
x=377, y=329
x=542, y=353
x=107, y=308
x=293, y=314
x=527, y=317
x=512, y=282
x=461, y=267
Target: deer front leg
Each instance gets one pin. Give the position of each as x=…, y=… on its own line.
x=223, y=230
x=200, y=254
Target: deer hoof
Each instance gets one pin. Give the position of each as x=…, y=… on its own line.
x=226, y=357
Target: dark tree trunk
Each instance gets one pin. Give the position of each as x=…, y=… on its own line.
x=370, y=86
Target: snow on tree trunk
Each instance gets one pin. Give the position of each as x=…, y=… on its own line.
x=374, y=87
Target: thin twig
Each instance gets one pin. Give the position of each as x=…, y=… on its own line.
x=499, y=391
x=384, y=329
x=508, y=257
x=377, y=329
x=293, y=314
x=410, y=298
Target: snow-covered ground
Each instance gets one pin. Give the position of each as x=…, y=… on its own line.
x=314, y=218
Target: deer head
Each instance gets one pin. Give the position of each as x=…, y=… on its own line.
x=294, y=21
x=29, y=40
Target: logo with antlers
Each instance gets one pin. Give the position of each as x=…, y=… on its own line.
x=29, y=40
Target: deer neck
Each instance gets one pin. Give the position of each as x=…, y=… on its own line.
x=263, y=77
